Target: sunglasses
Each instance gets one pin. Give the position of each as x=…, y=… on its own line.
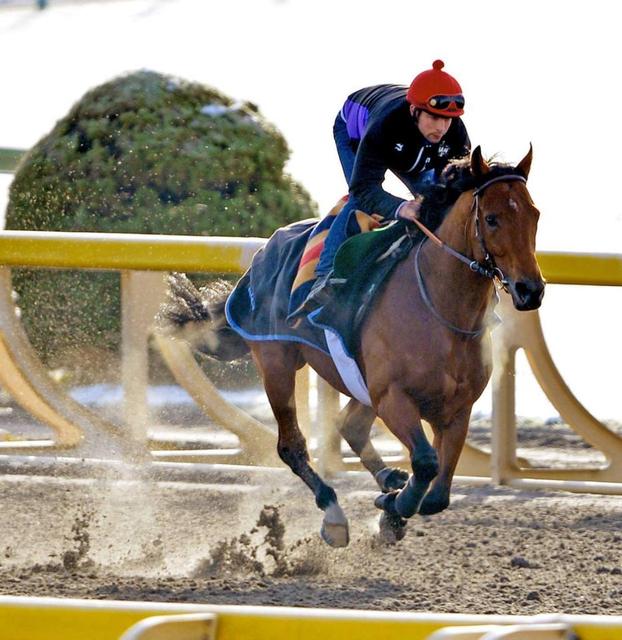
x=445, y=102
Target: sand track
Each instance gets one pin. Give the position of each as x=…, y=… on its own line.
x=495, y=550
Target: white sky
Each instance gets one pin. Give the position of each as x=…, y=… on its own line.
x=534, y=71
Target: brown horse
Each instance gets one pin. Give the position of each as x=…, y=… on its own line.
x=421, y=349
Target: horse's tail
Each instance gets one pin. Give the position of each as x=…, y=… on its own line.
x=197, y=316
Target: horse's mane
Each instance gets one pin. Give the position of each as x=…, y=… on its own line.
x=455, y=179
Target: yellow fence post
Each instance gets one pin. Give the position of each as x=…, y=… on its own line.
x=328, y=438
x=141, y=295
x=523, y=330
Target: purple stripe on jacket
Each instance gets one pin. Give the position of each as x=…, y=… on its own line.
x=355, y=116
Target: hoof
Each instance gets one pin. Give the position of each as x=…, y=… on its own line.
x=391, y=528
x=390, y=479
x=335, y=535
x=334, y=529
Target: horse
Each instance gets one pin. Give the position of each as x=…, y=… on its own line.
x=422, y=345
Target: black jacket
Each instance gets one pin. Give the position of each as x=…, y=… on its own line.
x=385, y=137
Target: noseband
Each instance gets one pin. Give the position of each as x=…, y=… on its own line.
x=487, y=268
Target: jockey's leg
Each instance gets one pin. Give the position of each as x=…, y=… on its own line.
x=346, y=147
x=344, y=226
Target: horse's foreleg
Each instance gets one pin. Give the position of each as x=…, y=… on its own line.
x=277, y=363
x=451, y=442
x=402, y=416
x=355, y=426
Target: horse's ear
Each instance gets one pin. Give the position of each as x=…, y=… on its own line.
x=525, y=164
x=479, y=166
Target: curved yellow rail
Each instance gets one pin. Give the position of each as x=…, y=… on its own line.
x=522, y=330
x=23, y=618
x=24, y=376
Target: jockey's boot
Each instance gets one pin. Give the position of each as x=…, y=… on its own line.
x=320, y=294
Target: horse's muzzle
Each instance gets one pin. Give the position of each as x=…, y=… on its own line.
x=527, y=294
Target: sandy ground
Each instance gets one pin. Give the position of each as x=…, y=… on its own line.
x=495, y=550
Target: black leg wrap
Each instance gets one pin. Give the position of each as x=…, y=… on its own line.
x=389, y=479
x=325, y=496
x=409, y=498
x=425, y=467
x=386, y=502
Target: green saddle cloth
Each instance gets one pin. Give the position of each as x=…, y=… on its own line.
x=358, y=254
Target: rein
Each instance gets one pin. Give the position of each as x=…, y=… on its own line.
x=426, y=298
x=488, y=269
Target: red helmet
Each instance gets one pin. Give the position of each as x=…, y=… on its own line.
x=437, y=92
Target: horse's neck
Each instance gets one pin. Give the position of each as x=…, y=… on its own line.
x=456, y=291
x=457, y=229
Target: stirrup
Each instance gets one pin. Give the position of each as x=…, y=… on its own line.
x=323, y=289
x=321, y=292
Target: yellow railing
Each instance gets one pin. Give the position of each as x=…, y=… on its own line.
x=25, y=618
x=581, y=268
x=126, y=251
x=138, y=252
x=141, y=258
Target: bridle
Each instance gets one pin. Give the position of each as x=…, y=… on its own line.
x=487, y=268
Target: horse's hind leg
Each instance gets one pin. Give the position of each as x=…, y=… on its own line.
x=355, y=426
x=278, y=363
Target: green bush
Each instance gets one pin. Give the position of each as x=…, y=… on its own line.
x=144, y=153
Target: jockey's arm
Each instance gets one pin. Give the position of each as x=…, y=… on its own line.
x=370, y=167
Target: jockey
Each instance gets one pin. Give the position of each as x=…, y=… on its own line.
x=413, y=132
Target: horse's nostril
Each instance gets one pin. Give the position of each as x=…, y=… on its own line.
x=529, y=292
x=522, y=289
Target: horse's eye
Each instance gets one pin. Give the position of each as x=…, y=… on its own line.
x=491, y=220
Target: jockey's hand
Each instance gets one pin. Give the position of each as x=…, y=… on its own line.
x=410, y=210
